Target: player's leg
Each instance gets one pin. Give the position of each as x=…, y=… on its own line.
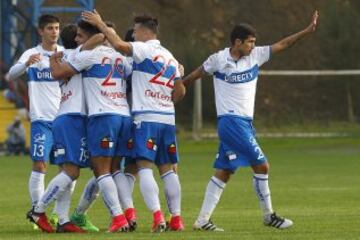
x=150, y=191
x=213, y=193
x=89, y=195
x=40, y=148
x=146, y=149
x=104, y=131
x=262, y=190
x=124, y=192
x=166, y=160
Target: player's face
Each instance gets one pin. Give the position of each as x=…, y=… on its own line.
x=81, y=36
x=139, y=33
x=50, y=33
x=245, y=47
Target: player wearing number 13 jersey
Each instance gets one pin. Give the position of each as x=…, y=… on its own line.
x=155, y=87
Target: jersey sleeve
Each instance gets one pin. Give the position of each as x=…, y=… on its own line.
x=25, y=56
x=127, y=67
x=82, y=61
x=210, y=64
x=262, y=54
x=139, y=51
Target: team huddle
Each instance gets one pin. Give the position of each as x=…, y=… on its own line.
x=105, y=103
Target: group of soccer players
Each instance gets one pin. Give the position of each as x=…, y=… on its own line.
x=80, y=115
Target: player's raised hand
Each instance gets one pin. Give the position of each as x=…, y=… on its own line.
x=93, y=17
x=313, y=24
x=34, y=58
x=57, y=55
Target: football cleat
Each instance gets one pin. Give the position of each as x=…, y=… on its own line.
x=159, y=224
x=53, y=219
x=130, y=215
x=69, y=227
x=40, y=220
x=82, y=221
x=175, y=224
x=119, y=224
x=273, y=220
x=209, y=226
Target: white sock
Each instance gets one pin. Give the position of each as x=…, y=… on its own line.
x=109, y=193
x=124, y=190
x=36, y=186
x=261, y=186
x=213, y=193
x=149, y=189
x=90, y=193
x=131, y=181
x=63, y=203
x=172, y=192
x=55, y=188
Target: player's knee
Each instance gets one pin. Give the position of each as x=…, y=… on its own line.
x=39, y=166
x=223, y=175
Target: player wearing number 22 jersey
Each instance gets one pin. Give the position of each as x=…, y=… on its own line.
x=155, y=87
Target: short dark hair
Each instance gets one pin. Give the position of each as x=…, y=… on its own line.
x=68, y=35
x=242, y=32
x=87, y=27
x=129, y=35
x=148, y=21
x=46, y=19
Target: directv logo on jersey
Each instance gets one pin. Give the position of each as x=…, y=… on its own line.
x=243, y=77
x=43, y=75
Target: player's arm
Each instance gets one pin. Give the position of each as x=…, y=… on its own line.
x=179, y=91
x=195, y=75
x=59, y=69
x=19, y=68
x=93, y=41
x=292, y=39
x=120, y=45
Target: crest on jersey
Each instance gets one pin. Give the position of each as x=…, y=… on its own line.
x=231, y=155
x=106, y=143
x=59, y=150
x=172, y=149
x=150, y=144
x=130, y=143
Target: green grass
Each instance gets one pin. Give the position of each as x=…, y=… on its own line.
x=315, y=182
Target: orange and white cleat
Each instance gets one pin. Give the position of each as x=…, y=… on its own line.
x=176, y=224
x=119, y=224
x=159, y=224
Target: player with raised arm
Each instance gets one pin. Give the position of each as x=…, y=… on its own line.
x=155, y=88
x=44, y=94
x=235, y=72
x=109, y=123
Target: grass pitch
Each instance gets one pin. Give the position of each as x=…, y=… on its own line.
x=314, y=182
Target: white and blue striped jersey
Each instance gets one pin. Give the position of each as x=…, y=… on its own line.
x=72, y=93
x=43, y=90
x=235, y=81
x=104, y=73
x=154, y=71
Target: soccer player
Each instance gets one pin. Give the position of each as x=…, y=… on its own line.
x=69, y=130
x=44, y=94
x=109, y=122
x=235, y=72
x=155, y=88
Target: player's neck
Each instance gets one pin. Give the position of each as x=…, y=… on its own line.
x=236, y=55
x=49, y=46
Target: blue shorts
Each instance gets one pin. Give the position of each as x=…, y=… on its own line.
x=70, y=140
x=238, y=146
x=109, y=136
x=155, y=142
x=41, y=141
